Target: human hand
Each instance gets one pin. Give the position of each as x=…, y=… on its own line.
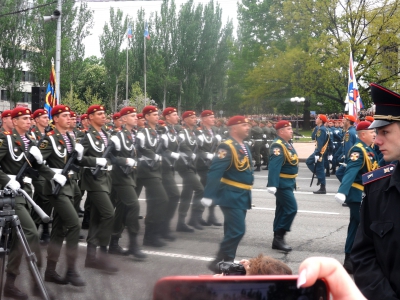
x=271, y=190
x=340, y=198
x=206, y=202
x=79, y=149
x=316, y=158
x=36, y=154
x=330, y=157
x=117, y=142
x=101, y=161
x=13, y=185
x=61, y=179
x=130, y=162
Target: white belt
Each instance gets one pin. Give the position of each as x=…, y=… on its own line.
x=58, y=171
x=106, y=168
x=24, y=180
x=259, y=140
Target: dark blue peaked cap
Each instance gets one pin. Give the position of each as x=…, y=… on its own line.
x=387, y=106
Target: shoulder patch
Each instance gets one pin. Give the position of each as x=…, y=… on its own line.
x=378, y=174
x=6, y=132
x=354, y=156
x=221, y=153
x=276, y=151
x=43, y=145
x=50, y=133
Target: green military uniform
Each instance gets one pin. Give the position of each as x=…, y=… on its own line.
x=192, y=187
x=12, y=158
x=229, y=184
x=257, y=135
x=208, y=141
x=76, y=135
x=149, y=176
x=283, y=169
x=65, y=218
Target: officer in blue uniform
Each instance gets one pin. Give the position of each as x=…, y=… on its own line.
x=282, y=182
x=362, y=159
x=349, y=139
x=317, y=158
x=328, y=155
x=229, y=183
x=375, y=253
x=337, y=142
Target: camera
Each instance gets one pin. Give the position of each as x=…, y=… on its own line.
x=230, y=268
x=7, y=201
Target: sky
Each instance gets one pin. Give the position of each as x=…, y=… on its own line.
x=102, y=11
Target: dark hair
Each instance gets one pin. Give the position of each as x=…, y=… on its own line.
x=266, y=265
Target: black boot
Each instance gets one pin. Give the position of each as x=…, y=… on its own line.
x=212, y=220
x=333, y=171
x=45, y=237
x=166, y=232
x=115, y=248
x=213, y=265
x=195, y=220
x=101, y=263
x=10, y=290
x=257, y=169
x=279, y=242
x=266, y=168
x=91, y=260
x=327, y=174
x=134, y=248
x=86, y=219
x=181, y=226
x=37, y=292
x=74, y=278
x=50, y=275
x=321, y=190
x=151, y=237
x=347, y=265
x=105, y=261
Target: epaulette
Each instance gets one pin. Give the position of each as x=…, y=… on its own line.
x=378, y=174
x=7, y=132
x=50, y=133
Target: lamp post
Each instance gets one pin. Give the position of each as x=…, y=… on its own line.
x=297, y=100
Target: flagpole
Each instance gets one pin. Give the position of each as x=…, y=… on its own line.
x=58, y=52
x=144, y=65
x=127, y=47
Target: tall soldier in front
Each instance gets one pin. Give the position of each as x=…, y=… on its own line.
x=149, y=176
x=56, y=149
x=124, y=183
x=98, y=188
x=229, y=184
x=284, y=166
x=15, y=146
x=208, y=142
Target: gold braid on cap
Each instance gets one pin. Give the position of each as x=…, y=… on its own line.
x=388, y=118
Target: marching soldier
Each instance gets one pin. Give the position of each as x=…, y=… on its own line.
x=337, y=140
x=349, y=139
x=284, y=166
x=315, y=162
x=208, y=142
x=270, y=133
x=362, y=159
x=257, y=135
x=124, y=182
x=98, y=189
x=141, y=123
x=85, y=122
x=170, y=157
x=56, y=148
x=229, y=184
x=149, y=176
x=14, y=146
x=7, y=124
x=192, y=187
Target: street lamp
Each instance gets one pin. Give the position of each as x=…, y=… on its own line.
x=297, y=100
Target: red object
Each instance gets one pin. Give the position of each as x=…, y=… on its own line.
x=116, y=116
x=94, y=108
x=282, y=124
x=39, y=112
x=149, y=109
x=127, y=110
x=206, y=113
x=188, y=113
x=20, y=111
x=6, y=113
x=84, y=117
x=140, y=116
x=363, y=125
x=58, y=109
x=350, y=118
x=168, y=111
x=323, y=118
x=369, y=118
x=235, y=120
x=72, y=114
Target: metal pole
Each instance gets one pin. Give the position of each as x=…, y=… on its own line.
x=58, y=51
x=297, y=120
x=127, y=71
x=144, y=55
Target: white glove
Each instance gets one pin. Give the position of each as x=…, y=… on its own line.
x=330, y=157
x=264, y=136
x=131, y=162
x=271, y=190
x=157, y=157
x=340, y=198
x=100, y=161
x=61, y=179
x=267, y=145
x=14, y=185
x=79, y=149
x=250, y=143
x=209, y=156
x=175, y=155
x=193, y=156
x=36, y=154
x=218, y=137
x=206, y=202
x=116, y=142
x=316, y=158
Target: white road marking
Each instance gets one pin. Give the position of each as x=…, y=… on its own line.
x=301, y=211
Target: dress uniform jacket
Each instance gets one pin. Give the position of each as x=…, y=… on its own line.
x=230, y=177
x=187, y=147
x=170, y=140
x=375, y=254
x=147, y=144
x=207, y=142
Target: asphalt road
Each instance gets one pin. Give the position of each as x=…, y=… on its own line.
x=319, y=229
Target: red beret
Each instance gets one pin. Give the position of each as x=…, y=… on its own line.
x=350, y=118
x=95, y=108
x=323, y=118
x=84, y=117
x=282, y=124
x=58, y=109
x=168, y=111
x=207, y=113
x=369, y=118
x=20, y=111
x=149, y=109
x=237, y=120
x=363, y=126
x=116, y=116
x=39, y=112
x=127, y=110
x=188, y=113
x=140, y=116
x=161, y=122
x=72, y=114
x=6, y=113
